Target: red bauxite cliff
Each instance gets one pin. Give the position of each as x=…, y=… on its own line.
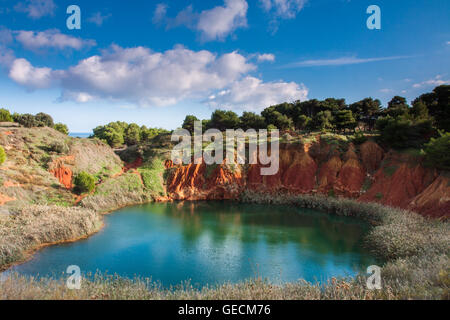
x=365, y=173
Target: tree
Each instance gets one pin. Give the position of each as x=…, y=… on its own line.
x=223, y=120
x=310, y=107
x=303, y=122
x=404, y=133
x=332, y=104
x=132, y=134
x=437, y=151
x=114, y=137
x=397, y=107
x=188, y=123
x=5, y=116
x=251, y=120
x=438, y=105
x=84, y=182
x=61, y=128
x=44, y=120
x=344, y=119
x=281, y=121
x=419, y=110
x=323, y=121
x=366, y=111
x=2, y=155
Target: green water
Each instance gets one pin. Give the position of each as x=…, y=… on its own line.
x=213, y=242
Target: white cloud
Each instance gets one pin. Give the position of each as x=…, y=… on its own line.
x=266, y=57
x=253, y=94
x=31, y=77
x=341, y=61
x=213, y=24
x=36, y=8
x=50, y=39
x=284, y=9
x=160, y=13
x=98, y=18
x=219, y=22
x=437, y=81
x=386, y=90
x=148, y=78
x=139, y=76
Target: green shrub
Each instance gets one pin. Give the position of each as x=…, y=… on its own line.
x=59, y=147
x=27, y=120
x=44, y=120
x=5, y=116
x=438, y=152
x=84, y=182
x=61, y=128
x=2, y=155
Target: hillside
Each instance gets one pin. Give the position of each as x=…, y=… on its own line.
x=41, y=163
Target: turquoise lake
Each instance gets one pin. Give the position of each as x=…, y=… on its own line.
x=213, y=242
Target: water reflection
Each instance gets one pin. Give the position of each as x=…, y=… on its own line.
x=212, y=242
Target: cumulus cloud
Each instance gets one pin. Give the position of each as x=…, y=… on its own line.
x=437, y=81
x=143, y=77
x=252, y=93
x=219, y=22
x=98, y=18
x=51, y=39
x=265, y=57
x=139, y=75
x=284, y=9
x=36, y=8
x=31, y=77
x=213, y=24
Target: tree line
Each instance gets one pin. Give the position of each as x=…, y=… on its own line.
x=423, y=124
x=120, y=133
x=29, y=121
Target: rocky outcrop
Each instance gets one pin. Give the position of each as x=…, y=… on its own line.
x=59, y=168
x=365, y=173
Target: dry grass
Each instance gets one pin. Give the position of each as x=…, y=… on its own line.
x=416, y=251
x=26, y=230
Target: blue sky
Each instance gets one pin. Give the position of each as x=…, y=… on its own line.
x=153, y=62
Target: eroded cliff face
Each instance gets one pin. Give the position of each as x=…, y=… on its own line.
x=365, y=173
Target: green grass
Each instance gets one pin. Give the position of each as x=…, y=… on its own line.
x=152, y=173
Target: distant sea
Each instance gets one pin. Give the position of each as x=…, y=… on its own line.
x=80, y=134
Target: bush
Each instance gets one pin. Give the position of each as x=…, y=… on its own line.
x=438, y=152
x=404, y=133
x=27, y=120
x=84, y=182
x=59, y=147
x=2, y=155
x=44, y=120
x=5, y=116
x=61, y=128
